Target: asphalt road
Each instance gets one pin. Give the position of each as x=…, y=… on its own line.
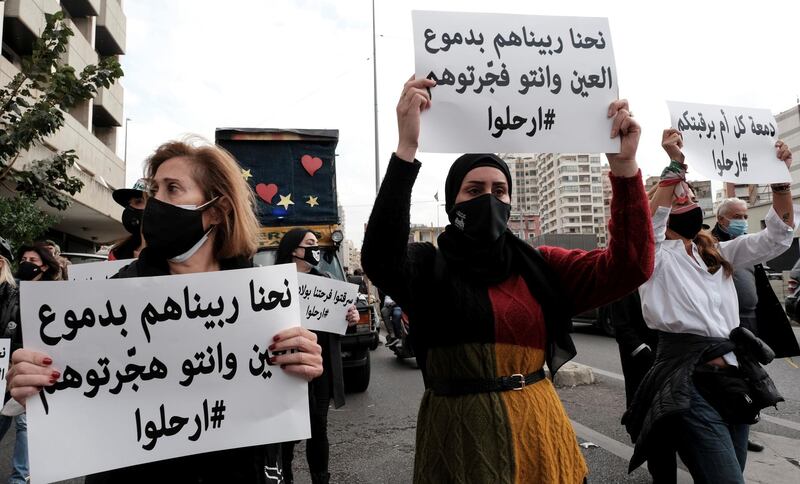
x=372, y=436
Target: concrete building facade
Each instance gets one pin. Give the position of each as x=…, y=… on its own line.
x=564, y=189
x=424, y=233
x=789, y=132
x=525, y=190
x=349, y=255
x=526, y=226
x=91, y=129
x=571, y=193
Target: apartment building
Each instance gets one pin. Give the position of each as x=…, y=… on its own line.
x=92, y=129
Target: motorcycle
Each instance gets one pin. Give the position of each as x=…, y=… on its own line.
x=394, y=317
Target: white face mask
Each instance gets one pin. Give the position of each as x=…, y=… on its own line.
x=189, y=253
x=198, y=207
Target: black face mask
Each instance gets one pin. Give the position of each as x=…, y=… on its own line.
x=312, y=255
x=687, y=224
x=170, y=230
x=27, y=271
x=482, y=219
x=132, y=219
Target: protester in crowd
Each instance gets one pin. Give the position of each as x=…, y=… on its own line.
x=133, y=202
x=758, y=304
x=706, y=384
x=391, y=315
x=487, y=310
x=300, y=246
x=760, y=311
x=55, y=249
x=9, y=328
x=199, y=218
x=637, y=351
x=37, y=263
x=359, y=278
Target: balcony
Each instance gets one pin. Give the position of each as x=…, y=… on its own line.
x=108, y=106
x=22, y=22
x=110, y=34
x=81, y=8
x=79, y=51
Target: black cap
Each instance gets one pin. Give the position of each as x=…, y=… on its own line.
x=124, y=195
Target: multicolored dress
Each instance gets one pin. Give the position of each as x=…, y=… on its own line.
x=469, y=330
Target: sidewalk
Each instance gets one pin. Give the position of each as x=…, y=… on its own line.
x=779, y=463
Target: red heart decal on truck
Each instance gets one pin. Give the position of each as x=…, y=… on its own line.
x=267, y=192
x=311, y=163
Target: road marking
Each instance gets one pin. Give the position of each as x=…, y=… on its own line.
x=769, y=418
x=616, y=447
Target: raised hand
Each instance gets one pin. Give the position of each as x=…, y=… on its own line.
x=414, y=99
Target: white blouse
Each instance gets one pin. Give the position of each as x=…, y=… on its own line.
x=683, y=297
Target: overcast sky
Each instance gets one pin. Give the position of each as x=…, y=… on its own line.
x=194, y=65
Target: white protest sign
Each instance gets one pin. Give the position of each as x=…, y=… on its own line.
x=96, y=270
x=515, y=83
x=5, y=356
x=324, y=302
x=730, y=144
x=160, y=367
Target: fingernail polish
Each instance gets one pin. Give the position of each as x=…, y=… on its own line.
x=55, y=374
x=276, y=338
x=272, y=360
x=47, y=361
x=271, y=347
x=52, y=381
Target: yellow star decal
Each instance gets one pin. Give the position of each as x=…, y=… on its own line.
x=285, y=201
x=312, y=201
x=246, y=174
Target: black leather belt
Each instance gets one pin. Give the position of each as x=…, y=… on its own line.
x=518, y=381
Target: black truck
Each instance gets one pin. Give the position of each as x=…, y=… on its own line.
x=293, y=174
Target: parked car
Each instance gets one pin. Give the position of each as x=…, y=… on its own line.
x=81, y=258
x=600, y=318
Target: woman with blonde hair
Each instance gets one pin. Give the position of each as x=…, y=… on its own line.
x=198, y=218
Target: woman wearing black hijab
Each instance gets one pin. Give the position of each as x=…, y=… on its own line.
x=299, y=246
x=487, y=310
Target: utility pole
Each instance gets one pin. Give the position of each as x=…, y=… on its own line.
x=125, y=155
x=375, y=93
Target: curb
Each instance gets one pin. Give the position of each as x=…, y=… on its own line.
x=572, y=375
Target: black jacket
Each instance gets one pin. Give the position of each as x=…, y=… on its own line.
x=631, y=331
x=9, y=315
x=10, y=326
x=243, y=465
x=773, y=326
x=333, y=374
x=666, y=389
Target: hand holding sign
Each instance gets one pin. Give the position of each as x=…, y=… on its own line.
x=30, y=371
x=296, y=351
x=623, y=164
x=414, y=99
x=352, y=315
x=784, y=153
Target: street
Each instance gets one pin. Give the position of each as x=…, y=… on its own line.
x=372, y=436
